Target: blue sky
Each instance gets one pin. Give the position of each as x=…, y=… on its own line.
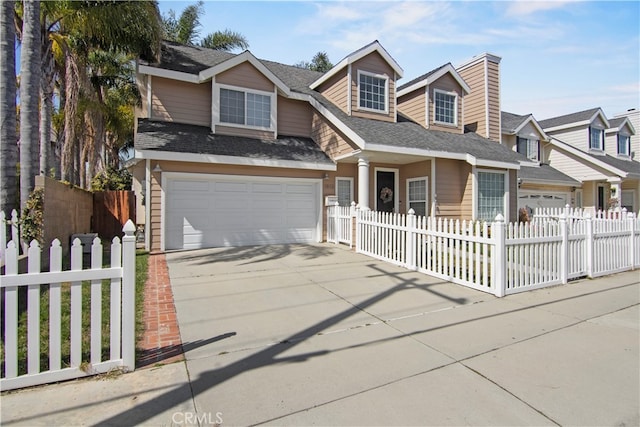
x=558, y=57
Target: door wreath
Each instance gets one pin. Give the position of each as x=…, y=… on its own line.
x=386, y=195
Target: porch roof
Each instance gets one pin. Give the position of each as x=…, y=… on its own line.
x=545, y=174
x=156, y=136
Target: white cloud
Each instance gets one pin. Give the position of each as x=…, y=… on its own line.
x=524, y=8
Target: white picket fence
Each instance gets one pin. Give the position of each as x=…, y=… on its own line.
x=9, y=230
x=569, y=212
x=340, y=223
x=501, y=258
x=120, y=273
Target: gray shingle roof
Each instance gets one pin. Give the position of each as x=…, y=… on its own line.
x=422, y=77
x=182, y=138
x=545, y=173
x=580, y=116
x=628, y=166
x=510, y=122
x=402, y=134
x=617, y=122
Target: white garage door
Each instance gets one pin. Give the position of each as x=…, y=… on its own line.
x=542, y=200
x=214, y=210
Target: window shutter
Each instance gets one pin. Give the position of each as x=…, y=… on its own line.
x=589, y=140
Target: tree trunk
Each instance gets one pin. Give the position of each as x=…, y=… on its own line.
x=8, y=138
x=29, y=98
x=71, y=103
x=46, y=110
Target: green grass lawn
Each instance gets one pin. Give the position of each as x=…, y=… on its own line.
x=142, y=259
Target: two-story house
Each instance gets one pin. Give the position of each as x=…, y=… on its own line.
x=539, y=184
x=234, y=150
x=595, y=151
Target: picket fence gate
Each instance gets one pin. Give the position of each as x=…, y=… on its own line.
x=15, y=286
x=340, y=223
x=497, y=257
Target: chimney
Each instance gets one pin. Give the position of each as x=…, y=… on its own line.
x=481, y=107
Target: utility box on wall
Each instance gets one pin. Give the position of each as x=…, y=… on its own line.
x=330, y=200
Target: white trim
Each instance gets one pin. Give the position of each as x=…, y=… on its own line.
x=505, y=200
x=455, y=107
x=355, y=56
x=147, y=206
x=426, y=106
x=486, y=94
x=149, y=97
x=274, y=112
x=215, y=119
x=167, y=74
x=396, y=187
x=345, y=178
x=211, y=176
x=163, y=210
x=386, y=80
x=349, y=94
x=215, y=105
x=231, y=160
x=448, y=68
x=426, y=193
x=486, y=55
x=474, y=190
x=599, y=112
x=535, y=124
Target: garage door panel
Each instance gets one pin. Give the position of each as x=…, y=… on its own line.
x=225, y=211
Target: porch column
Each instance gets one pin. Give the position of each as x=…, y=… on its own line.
x=363, y=183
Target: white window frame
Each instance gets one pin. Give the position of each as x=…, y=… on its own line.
x=455, y=107
x=350, y=180
x=600, y=148
x=217, y=107
x=426, y=193
x=529, y=143
x=386, y=92
x=476, y=195
x=628, y=145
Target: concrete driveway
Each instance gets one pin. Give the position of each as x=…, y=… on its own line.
x=302, y=335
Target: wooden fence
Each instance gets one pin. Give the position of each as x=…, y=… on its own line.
x=34, y=284
x=111, y=210
x=501, y=258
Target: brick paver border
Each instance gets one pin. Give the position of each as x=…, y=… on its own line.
x=161, y=342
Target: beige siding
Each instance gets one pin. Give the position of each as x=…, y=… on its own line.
x=328, y=137
x=484, y=99
x=373, y=63
x=181, y=102
x=414, y=170
x=513, y=196
x=247, y=76
x=142, y=111
x=294, y=117
x=336, y=90
x=249, y=133
x=451, y=186
x=448, y=84
x=412, y=105
x=574, y=166
x=577, y=137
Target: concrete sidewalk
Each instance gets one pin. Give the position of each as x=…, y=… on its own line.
x=302, y=335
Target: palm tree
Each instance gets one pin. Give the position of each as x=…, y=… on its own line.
x=320, y=62
x=8, y=145
x=29, y=98
x=185, y=30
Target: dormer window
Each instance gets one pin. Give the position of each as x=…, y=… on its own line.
x=446, y=107
x=623, y=145
x=596, y=139
x=245, y=108
x=529, y=148
x=373, y=92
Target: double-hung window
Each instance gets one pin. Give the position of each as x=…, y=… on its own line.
x=344, y=191
x=245, y=108
x=373, y=90
x=417, y=195
x=529, y=147
x=596, y=139
x=445, y=107
x=491, y=195
x=623, y=145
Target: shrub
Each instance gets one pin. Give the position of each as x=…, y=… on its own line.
x=31, y=220
x=112, y=179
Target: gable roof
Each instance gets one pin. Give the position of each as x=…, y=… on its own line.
x=545, y=174
x=621, y=167
x=616, y=124
x=581, y=118
x=431, y=77
x=374, y=46
x=511, y=123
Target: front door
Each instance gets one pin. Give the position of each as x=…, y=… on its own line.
x=385, y=191
x=601, y=201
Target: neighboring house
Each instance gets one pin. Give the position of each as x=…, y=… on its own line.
x=595, y=151
x=633, y=115
x=539, y=185
x=242, y=151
